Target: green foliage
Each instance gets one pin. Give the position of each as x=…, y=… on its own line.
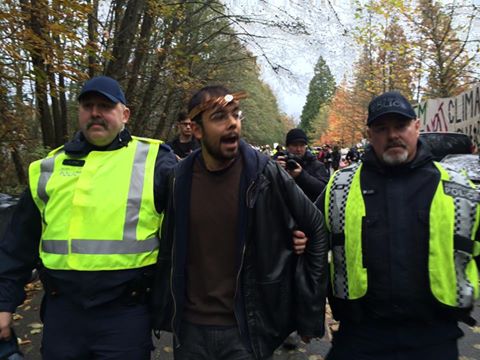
x=320, y=91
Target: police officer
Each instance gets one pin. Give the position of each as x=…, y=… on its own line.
x=404, y=235
x=89, y=220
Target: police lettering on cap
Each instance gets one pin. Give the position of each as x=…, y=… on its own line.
x=391, y=102
x=105, y=86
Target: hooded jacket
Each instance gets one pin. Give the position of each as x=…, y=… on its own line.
x=277, y=291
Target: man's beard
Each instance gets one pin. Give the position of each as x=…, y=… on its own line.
x=217, y=153
x=396, y=158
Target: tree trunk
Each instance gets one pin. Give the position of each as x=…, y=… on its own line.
x=159, y=131
x=92, y=46
x=19, y=169
x=139, y=57
x=63, y=107
x=146, y=106
x=36, y=12
x=124, y=39
x=57, y=117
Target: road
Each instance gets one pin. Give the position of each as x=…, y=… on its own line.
x=29, y=330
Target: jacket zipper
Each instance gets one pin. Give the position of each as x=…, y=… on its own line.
x=249, y=189
x=241, y=262
x=171, y=274
x=236, y=288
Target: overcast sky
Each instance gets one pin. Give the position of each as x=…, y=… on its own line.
x=287, y=58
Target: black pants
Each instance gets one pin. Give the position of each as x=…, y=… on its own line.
x=108, y=332
x=384, y=341
x=200, y=342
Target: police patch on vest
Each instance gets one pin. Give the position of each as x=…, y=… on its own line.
x=457, y=190
x=73, y=162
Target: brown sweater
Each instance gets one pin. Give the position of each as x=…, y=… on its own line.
x=211, y=270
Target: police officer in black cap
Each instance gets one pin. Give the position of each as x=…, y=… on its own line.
x=404, y=234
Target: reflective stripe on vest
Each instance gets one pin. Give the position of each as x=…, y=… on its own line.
x=454, y=220
x=454, y=211
x=102, y=207
x=345, y=211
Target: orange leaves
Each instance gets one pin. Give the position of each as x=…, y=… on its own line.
x=345, y=119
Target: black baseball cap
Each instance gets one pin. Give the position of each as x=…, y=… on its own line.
x=105, y=86
x=391, y=102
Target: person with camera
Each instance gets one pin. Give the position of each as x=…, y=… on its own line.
x=309, y=173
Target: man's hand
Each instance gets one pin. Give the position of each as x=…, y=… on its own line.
x=282, y=161
x=5, y=324
x=299, y=242
x=295, y=172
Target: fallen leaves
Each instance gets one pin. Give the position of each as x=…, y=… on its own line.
x=168, y=349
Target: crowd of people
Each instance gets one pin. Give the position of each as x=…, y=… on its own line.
x=333, y=158
x=229, y=249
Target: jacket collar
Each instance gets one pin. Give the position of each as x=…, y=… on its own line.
x=79, y=146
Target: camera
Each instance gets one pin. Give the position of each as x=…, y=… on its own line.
x=292, y=161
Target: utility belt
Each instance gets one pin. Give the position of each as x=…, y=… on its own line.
x=136, y=291
x=357, y=311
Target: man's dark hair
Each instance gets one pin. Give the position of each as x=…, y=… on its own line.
x=204, y=93
x=182, y=115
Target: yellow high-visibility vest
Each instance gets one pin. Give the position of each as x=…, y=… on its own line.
x=454, y=221
x=98, y=211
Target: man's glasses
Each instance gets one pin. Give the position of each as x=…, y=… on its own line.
x=186, y=124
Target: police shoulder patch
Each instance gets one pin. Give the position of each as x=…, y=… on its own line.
x=460, y=191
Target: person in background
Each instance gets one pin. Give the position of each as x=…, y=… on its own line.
x=404, y=232
x=184, y=143
x=328, y=158
x=321, y=155
x=227, y=268
x=309, y=173
x=353, y=155
x=89, y=221
x=336, y=157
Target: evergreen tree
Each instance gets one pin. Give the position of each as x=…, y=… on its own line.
x=320, y=91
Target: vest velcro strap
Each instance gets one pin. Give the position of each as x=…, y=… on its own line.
x=338, y=239
x=463, y=244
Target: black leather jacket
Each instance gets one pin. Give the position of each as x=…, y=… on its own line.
x=277, y=291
